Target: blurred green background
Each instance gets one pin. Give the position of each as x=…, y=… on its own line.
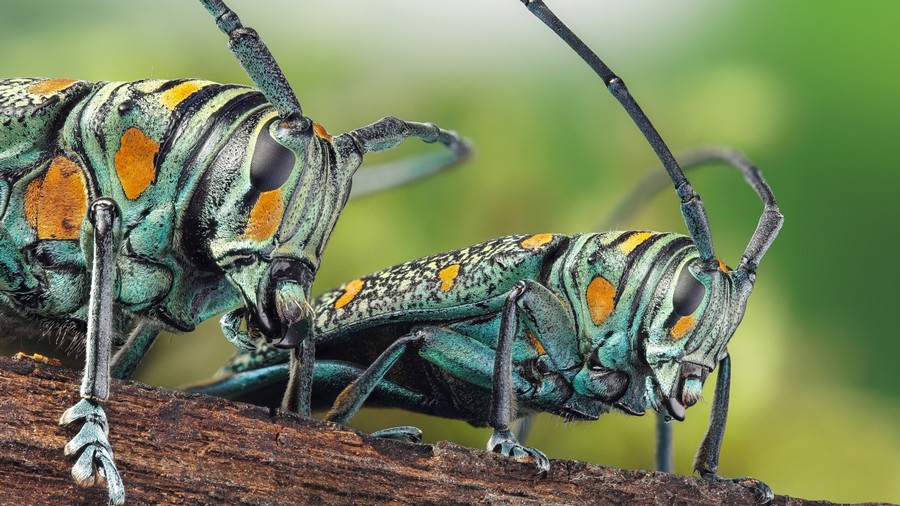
x=810, y=92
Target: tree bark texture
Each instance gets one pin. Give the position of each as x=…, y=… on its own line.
x=177, y=448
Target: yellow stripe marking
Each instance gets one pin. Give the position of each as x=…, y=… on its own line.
x=448, y=277
x=683, y=326
x=265, y=217
x=628, y=245
x=536, y=241
x=50, y=86
x=601, y=296
x=135, y=162
x=350, y=290
x=176, y=94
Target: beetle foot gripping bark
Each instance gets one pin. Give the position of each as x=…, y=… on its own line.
x=504, y=443
x=95, y=464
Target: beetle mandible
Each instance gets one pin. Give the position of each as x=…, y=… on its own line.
x=156, y=204
x=571, y=325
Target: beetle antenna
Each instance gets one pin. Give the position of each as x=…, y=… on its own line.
x=769, y=223
x=691, y=205
x=257, y=61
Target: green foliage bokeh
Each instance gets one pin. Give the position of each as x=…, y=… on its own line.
x=808, y=92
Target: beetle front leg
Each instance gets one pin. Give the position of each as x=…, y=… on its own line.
x=503, y=441
x=298, y=396
x=95, y=457
x=665, y=456
x=707, y=460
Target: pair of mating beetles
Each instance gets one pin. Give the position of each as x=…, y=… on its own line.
x=128, y=208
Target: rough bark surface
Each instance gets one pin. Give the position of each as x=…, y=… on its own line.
x=177, y=448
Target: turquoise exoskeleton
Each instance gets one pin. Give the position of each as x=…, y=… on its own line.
x=156, y=204
x=572, y=325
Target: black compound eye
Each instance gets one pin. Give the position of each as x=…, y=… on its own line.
x=271, y=164
x=689, y=293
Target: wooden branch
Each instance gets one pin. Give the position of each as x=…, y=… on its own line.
x=177, y=448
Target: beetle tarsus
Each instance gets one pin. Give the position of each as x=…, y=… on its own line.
x=95, y=465
x=504, y=443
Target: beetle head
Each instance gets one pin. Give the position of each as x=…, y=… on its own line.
x=653, y=322
x=263, y=213
x=685, y=330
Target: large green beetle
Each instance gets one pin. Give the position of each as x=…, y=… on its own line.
x=156, y=204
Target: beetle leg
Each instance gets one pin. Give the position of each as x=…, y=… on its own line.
x=95, y=461
x=664, y=450
x=231, y=328
x=352, y=398
x=707, y=460
x=503, y=441
x=298, y=396
x=140, y=339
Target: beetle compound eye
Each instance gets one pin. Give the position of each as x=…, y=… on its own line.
x=271, y=164
x=689, y=293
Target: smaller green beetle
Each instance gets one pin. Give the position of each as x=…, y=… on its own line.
x=571, y=325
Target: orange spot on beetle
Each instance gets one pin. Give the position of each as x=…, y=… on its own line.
x=61, y=201
x=50, y=86
x=321, y=133
x=683, y=326
x=633, y=241
x=536, y=241
x=265, y=217
x=350, y=290
x=135, y=162
x=32, y=199
x=601, y=296
x=722, y=266
x=536, y=344
x=176, y=94
x=448, y=277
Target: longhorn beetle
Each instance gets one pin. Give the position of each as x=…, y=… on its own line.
x=156, y=204
x=571, y=325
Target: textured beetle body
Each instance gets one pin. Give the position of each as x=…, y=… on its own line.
x=177, y=157
x=624, y=311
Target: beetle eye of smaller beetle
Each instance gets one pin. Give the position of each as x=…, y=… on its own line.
x=689, y=293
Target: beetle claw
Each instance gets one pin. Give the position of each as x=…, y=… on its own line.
x=95, y=465
x=504, y=443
